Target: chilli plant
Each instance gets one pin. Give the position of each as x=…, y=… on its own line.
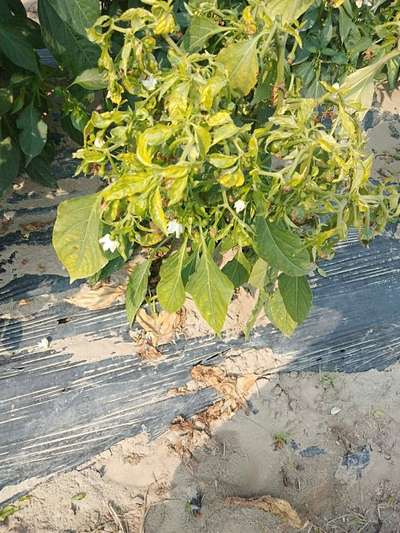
x=221, y=166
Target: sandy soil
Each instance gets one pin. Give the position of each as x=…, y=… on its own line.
x=328, y=444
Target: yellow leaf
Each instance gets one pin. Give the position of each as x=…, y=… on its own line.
x=232, y=179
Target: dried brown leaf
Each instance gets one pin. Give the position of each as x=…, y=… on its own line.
x=276, y=506
x=147, y=351
x=99, y=297
x=233, y=389
x=160, y=327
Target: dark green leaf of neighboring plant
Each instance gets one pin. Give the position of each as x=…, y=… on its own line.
x=277, y=313
x=241, y=62
x=238, y=270
x=92, y=79
x=281, y=248
x=39, y=170
x=17, y=49
x=10, y=157
x=77, y=14
x=73, y=50
x=112, y=266
x=17, y=7
x=189, y=266
x=199, y=32
x=137, y=289
x=345, y=24
x=34, y=132
x=393, y=70
x=211, y=291
x=170, y=288
x=297, y=296
x=76, y=236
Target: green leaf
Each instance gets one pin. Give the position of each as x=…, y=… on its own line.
x=241, y=62
x=258, y=273
x=211, y=291
x=39, y=170
x=137, y=289
x=79, y=496
x=77, y=14
x=345, y=24
x=277, y=313
x=297, y=296
x=287, y=10
x=199, y=32
x=281, y=248
x=76, y=236
x=237, y=270
x=17, y=49
x=34, y=132
x=157, y=212
x=170, y=288
x=10, y=157
x=359, y=86
x=72, y=49
x=222, y=160
x=393, y=70
x=6, y=511
x=6, y=100
x=91, y=79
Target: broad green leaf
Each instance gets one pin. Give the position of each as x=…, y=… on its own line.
x=10, y=157
x=199, y=32
x=241, y=62
x=76, y=236
x=297, y=296
x=238, y=270
x=281, y=248
x=91, y=79
x=359, y=86
x=77, y=14
x=287, y=10
x=345, y=24
x=137, y=289
x=393, y=70
x=33, y=136
x=73, y=50
x=170, y=288
x=39, y=170
x=258, y=273
x=17, y=49
x=277, y=313
x=211, y=291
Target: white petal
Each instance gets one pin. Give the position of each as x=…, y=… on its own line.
x=108, y=244
x=239, y=206
x=149, y=83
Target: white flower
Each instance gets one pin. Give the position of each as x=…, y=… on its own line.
x=149, y=83
x=336, y=85
x=360, y=3
x=98, y=142
x=107, y=243
x=239, y=206
x=175, y=227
